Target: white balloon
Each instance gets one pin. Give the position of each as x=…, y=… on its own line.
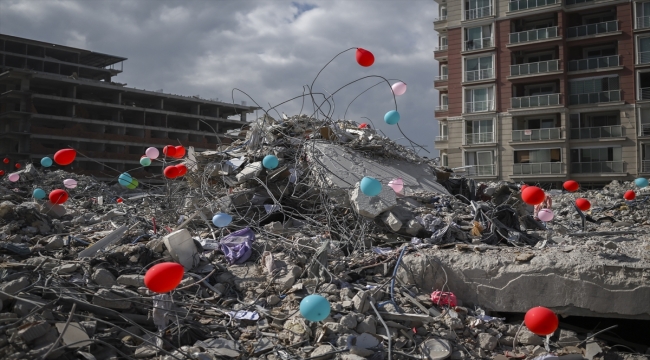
x=399, y=88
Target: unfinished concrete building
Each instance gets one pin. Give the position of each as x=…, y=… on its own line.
x=54, y=96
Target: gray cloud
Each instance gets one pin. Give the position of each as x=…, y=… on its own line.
x=268, y=48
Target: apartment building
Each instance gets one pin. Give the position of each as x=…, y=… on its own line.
x=54, y=96
x=544, y=90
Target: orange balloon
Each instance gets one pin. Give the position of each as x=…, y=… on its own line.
x=164, y=277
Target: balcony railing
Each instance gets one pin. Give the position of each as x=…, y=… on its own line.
x=518, y=5
x=593, y=29
x=441, y=18
x=441, y=48
x=575, y=2
x=597, y=167
x=595, y=97
x=479, y=106
x=442, y=137
x=535, y=101
x=481, y=170
x=597, y=132
x=476, y=75
x=644, y=93
x=479, y=138
x=441, y=78
x=537, y=134
x=477, y=44
x=534, y=68
x=643, y=22
x=644, y=130
x=645, y=166
x=442, y=107
x=548, y=168
x=534, y=35
x=478, y=13
x=594, y=63
x=644, y=57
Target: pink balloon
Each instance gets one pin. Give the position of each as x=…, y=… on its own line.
x=152, y=153
x=397, y=185
x=545, y=215
x=399, y=88
x=70, y=183
x=14, y=177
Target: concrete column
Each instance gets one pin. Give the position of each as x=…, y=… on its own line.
x=196, y=109
x=117, y=98
x=243, y=117
x=161, y=104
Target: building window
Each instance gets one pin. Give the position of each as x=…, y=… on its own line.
x=480, y=163
x=443, y=72
x=644, y=50
x=643, y=15
x=479, y=132
x=442, y=130
x=443, y=44
x=443, y=13
x=597, y=160
x=479, y=68
x=479, y=99
x=479, y=37
x=444, y=160
x=594, y=90
x=595, y=126
x=444, y=105
x=476, y=9
x=538, y=156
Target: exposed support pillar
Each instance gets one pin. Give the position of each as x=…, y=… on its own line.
x=243, y=116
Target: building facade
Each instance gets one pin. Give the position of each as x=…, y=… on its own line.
x=549, y=89
x=54, y=97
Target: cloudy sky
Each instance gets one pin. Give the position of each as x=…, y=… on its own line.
x=267, y=48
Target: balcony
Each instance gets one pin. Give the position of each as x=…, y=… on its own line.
x=535, y=101
x=595, y=97
x=599, y=132
x=441, y=18
x=478, y=13
x=442, y=108
x=479, y=106
x=519, y=5
x=534, y=35
x=441, y=78
x=644, y=130
x=537, y=134
x=478, y=44
x=645, y=166
x=479, y=138
x=481, y=170
x=549, y=168
x=576, y=2
x=442, y=138
x=597, y=167
x=592, y=29
x=541, y=67
x=477, y=75
x=594, y=63
x=441, y=48
x=644, y=57
x=642, y=22
x=644, y=93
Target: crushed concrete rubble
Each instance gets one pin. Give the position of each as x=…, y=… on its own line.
x=72, y=275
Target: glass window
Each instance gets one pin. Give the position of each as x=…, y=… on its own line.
x=593, y=85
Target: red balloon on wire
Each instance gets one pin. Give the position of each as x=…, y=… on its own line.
x=58, y=196
x=541, y=321
x=182, y=170
x=533, y=195
x=17, y=166
x=171, y=172
x=164, y=277
x=2, y=172
x=571, y=185
x=169, y=151
x=364, y=57
x=5, y=160
x=119, y=200
x=629, y=195
x=180, y=152
x=65, y=157
x=363, y=126
x=583, y=204
x=524, y=187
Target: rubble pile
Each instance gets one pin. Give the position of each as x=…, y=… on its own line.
x=72, y=276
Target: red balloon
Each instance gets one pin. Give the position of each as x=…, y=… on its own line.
x=169, y=151
x=5, y=160
x=571, y=185
x=180, y=152
x=524, y=187
x=629, y=195
x=65, y=156
x=119, y=200
x=533, y=195
x=2, y=172
x=171, y=172
x=164, y=277
x=583, y=204
x=363, y=126
x=364, y=57
x=182, y=169
x=541, y=321
x=17, y=166
x=58, y=196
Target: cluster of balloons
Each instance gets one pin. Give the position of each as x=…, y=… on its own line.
x=221, y=220
x=164, y=277
x=175, y=152
x=175, y=171
x=541, y=321
x=128, y=181
x=270, y=162
x=315, y=308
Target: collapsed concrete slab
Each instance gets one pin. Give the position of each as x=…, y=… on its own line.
x=372, y=206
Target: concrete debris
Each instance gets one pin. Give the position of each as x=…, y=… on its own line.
x=303, y=228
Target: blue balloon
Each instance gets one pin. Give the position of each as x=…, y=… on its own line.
x=392, y=117
x=39, y=194
x=270, y=162
x=125, y=179
x=314, y=308
x=221, y=220
x=46, y=162
x=641, y=182
x=370, y=186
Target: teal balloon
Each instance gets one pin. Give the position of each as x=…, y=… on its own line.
x=641, y=182
x=221, y=220
x=46, y=162
x=39, y=194
x=145, y=161
x=270, y=162
x=125, y=179
x=370, y=186
x=392, y=117
x=314, y=308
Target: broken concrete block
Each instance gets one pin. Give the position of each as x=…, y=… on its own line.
x=12, y=287
x=74, y=335
x=53, y=210
x=131, y=280
x=360, y=302
x=372, y=206
x=391, y=220
x=487, y=341
x=349, y=321
x=103, y=277
x=66, y=269
x=323, y=352
x=526, y=337
x=249, y=171
x=32, y=331
x=413, y=227
x=111, y=300
x=368, y=325
x=6, y=208
x=182, y=248
x=54, y=243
